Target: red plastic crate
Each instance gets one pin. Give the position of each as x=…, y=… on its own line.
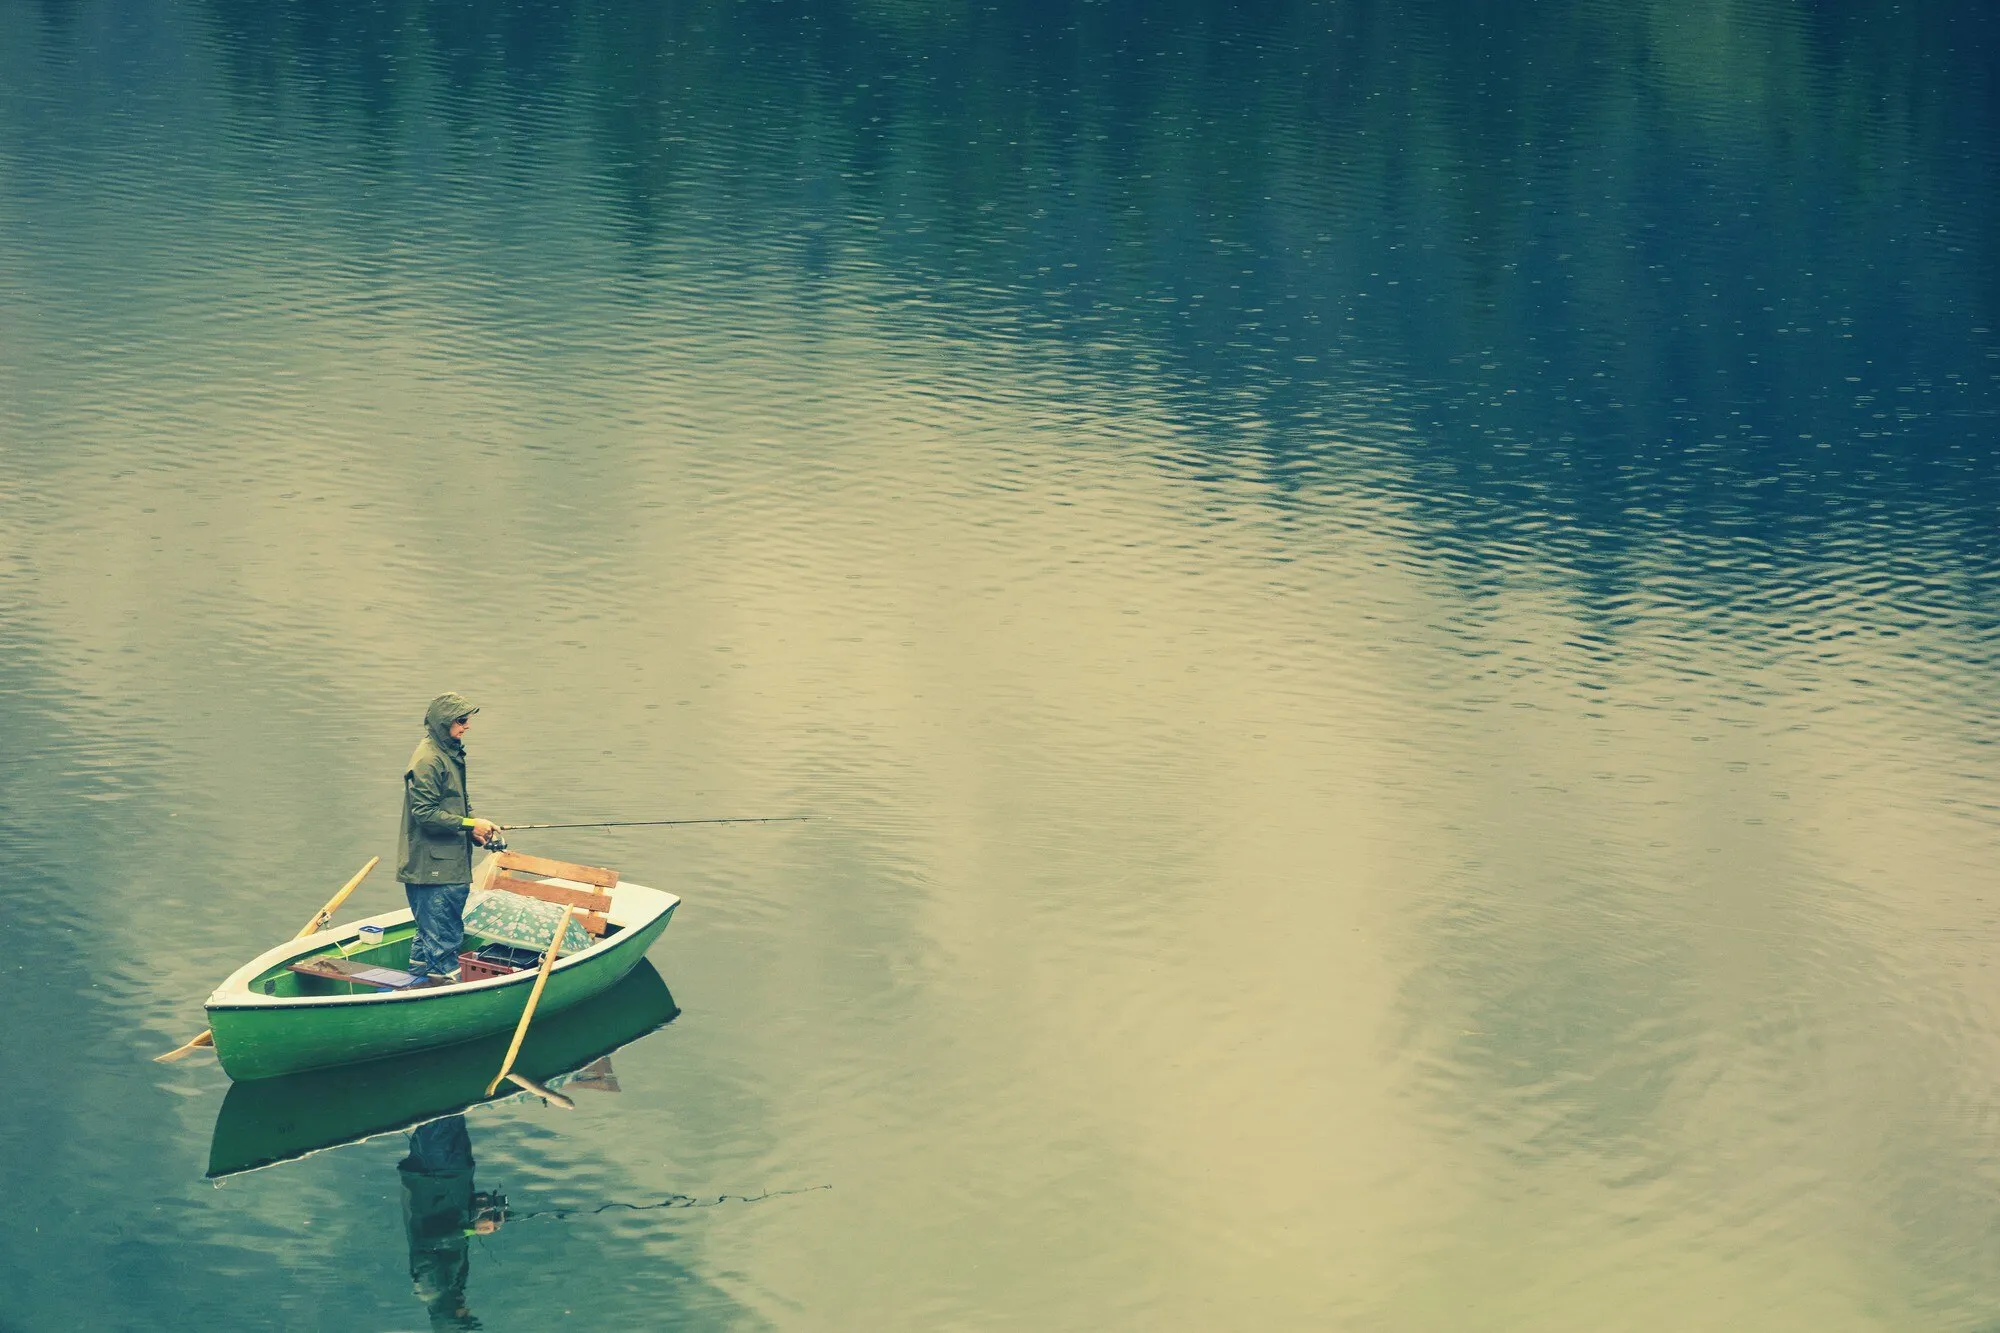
x=471, y=967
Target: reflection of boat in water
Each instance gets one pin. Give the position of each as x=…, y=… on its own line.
x=275, y=1120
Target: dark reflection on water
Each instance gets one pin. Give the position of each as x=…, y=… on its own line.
x=1393, y=606
x=1610, y=276
x=442, y=1212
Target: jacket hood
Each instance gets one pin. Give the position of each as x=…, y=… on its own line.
x=445, y=710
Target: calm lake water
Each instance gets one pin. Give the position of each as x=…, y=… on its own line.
x=1389, y=612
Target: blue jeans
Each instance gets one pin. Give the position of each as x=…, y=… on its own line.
x=439, y=910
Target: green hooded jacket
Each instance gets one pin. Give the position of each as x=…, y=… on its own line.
x=436, y=843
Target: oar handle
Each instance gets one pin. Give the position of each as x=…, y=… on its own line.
x=318, y=920
x=203, y=1038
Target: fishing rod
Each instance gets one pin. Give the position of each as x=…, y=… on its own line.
x=661, y=823
x=499, y=844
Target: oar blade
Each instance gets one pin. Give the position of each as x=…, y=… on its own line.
x=546, y=1093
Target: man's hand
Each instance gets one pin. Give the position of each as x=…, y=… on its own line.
x=483, y=830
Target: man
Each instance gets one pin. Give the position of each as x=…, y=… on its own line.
x=436, y=844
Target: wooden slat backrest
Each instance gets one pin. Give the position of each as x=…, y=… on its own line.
x=559, y=894
x=594, y=905
x=542, y=865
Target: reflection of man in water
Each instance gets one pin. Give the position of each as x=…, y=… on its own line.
x=442, y=1214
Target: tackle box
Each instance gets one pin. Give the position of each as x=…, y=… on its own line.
x=497, y=960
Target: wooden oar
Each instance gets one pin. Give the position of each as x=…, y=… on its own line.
x=546, y=1093
x=324, y=915
x=315, y=924
x=534, y=997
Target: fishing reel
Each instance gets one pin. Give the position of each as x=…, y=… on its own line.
x=487, y=1214
x=495, y=843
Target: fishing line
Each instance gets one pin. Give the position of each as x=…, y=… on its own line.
x=1460, y=911
x=671, y=1201
x=664, y=823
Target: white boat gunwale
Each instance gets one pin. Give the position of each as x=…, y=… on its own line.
x=633, y=907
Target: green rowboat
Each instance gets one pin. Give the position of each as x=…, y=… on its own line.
x=279, y=1119
x=270, y=1019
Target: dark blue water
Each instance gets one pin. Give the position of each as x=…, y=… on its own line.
x=1389, y=610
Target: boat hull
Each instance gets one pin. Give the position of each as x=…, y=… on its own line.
x=278, y=1119
x=258, y=1037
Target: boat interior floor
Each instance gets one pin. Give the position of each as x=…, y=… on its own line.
x=344, y=969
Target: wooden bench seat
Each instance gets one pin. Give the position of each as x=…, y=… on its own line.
x=374, y=975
